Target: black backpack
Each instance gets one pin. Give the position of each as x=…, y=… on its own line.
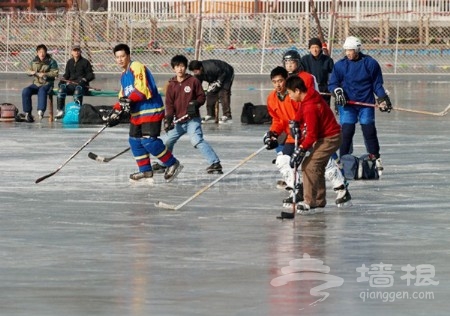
x=359, y=168
x=98, y=114
x=255, y=114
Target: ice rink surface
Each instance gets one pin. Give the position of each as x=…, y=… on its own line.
x=86, y=242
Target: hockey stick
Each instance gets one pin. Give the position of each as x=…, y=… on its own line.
x=177, y=207
x=71, y=157
x=98, y=158
x=442, y=113
x=74, y=82
x=287, y=215
x=106, y=159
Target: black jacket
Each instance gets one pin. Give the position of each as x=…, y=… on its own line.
x=320, y=68
x=214, y=69
x=75, y=71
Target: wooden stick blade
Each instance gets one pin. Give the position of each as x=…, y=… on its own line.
x=166, y=206
x=45, y=177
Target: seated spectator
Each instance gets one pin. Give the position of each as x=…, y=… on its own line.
x=44, y=69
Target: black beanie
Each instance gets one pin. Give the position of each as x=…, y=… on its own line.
x=314, y=41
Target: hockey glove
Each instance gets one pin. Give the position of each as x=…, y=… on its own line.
x=113, y=118
x=168, y=123
x=125, y=104
x=339, y=97
x=192, y=109
x=270, y=140
x=214, y=87
x=384, y=104
x=295, y=128
x=83, y=82
x=297, y=157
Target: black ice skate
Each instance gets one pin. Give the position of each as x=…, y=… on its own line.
x=173, y=171
x=287, y=203
x=343, y=198
x=142, y=177
x=157, y=168
x=215, y=168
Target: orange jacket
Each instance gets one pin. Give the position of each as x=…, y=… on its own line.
x=281, y=112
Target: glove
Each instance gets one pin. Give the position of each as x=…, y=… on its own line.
x=214, y=87
x=340, y=97
x=83, y=82
x=270, y=140
x=297, y=157
x=384, y=104
x=192, y=109
x=168, y=123
x=295, y=128
x=113, y=118
x=125, y=104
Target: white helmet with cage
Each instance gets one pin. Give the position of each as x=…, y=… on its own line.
x=352, y=42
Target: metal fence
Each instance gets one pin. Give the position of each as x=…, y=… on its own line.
x=252, y=43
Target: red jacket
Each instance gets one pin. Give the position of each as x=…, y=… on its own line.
x=281, y=112
x=316, y=120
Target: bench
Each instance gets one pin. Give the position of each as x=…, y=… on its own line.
x=91, y=93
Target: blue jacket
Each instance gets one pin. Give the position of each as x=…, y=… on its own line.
x=360, y=79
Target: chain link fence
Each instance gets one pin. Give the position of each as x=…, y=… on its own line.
x=252, y=43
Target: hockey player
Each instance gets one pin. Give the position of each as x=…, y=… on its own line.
x=220, y=76
x=319, y=65
x=75, y=80
x=320, y=135
x=184, y=96
x=292, y=63
x=358, y=77
x=44, y=69
x=140, y=97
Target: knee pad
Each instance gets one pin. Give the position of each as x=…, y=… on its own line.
x=334, y=174
x=78, y=94
x=62, y=91
x=283, y=164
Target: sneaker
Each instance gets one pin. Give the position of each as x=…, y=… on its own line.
x=208, y=119
x=172, y=171
x=215, y=167
x=157, y=168
x=40, y=115
x=304, y=209
x=59, y=114
x=29, y=118
x=225, y=120
x=343, y=196
x=146, y=176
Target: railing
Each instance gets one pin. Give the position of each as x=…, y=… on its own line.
x=361, y=10
x=252, y=43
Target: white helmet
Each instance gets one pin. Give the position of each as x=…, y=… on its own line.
x=352, y=42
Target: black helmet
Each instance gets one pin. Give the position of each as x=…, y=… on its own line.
x=291, y=55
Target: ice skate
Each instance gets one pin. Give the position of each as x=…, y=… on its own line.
x=281, y=184
x=304, y=209
x=157, y=168
x=343, y=198
x=379, y=166
x=215, y=168
x=142, y=177
x=29, y=118
x=172, y=171
x=287, y=203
